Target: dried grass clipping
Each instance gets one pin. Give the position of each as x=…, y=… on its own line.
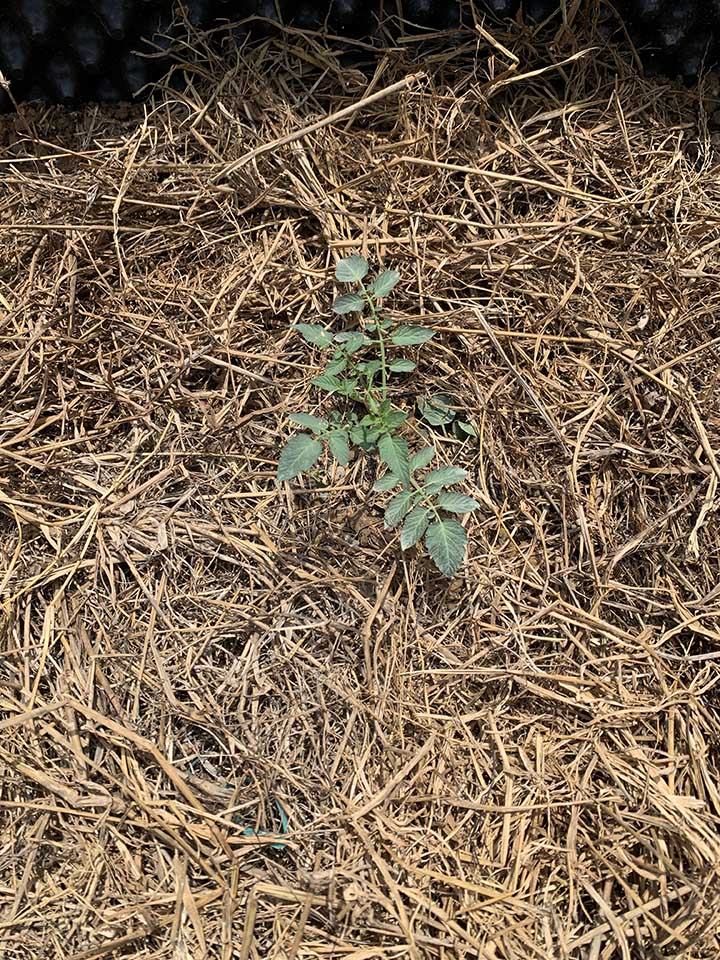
x=236, y=722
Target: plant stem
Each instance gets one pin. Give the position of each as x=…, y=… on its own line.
x=381, y=340
x=425, y=499
x=383, y=369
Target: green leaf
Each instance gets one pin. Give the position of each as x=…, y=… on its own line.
x=347, y=387
x=352, y=269
x=437, y=418
x=386, y=482
x=397, y=508
x=456, y=503
x=316, y=424
x=369, y=420
x=394, y=452
x=414, y=526
x=326, y=381
x=385, y=282
x=410, y=336
x=339, y=447
x=349, y=303
x=437, y=411
x=467, y=428
x=358, y=341
x=445, y=476
x=446, y=541
x=299, y=454
x=422, y=458
x=335, y=367
x=369, y=367
x=351, y=340
x=364, y=438
x=394, y=418
x=318, y=336
x=401, y=366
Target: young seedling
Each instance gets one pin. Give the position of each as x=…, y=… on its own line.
x=439, y=411
x=362, y=361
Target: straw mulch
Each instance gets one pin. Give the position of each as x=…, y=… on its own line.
x=236, y=721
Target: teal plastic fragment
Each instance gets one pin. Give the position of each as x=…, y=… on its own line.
x=284, y=828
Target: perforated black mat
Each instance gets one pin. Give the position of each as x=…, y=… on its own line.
x=75, y=50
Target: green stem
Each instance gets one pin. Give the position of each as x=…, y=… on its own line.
x=425, y=501
x=375, y=316
x=383, y=368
